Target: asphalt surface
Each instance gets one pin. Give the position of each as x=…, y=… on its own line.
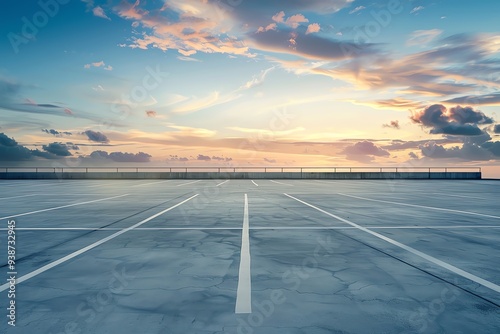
x=354, y=256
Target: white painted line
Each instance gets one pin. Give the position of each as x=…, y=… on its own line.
x=183, y=184
x=254, y=183
x=17, y=196
x=147, y=184
x=473, y=197
x=285, y=184
x=244, y=292
x=429, y=258
x=63, y=206
x=422, y=206
x=222, y=183
x=252, y=228
x=89, y=247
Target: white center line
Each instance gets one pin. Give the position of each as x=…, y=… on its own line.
x=183, y=184
x=147, y=184
x=422, y=206
x=285, y=184
x=429, y=258
x=244, y=292
x=89, y=247
x=222, y=183
x=62, y=206
x=255, y=183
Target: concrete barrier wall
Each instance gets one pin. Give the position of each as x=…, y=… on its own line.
x=241, y=175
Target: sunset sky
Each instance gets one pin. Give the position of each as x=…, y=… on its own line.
x=250, y=82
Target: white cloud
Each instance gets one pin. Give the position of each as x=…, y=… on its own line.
x=416, y=9
x=99, y=12
x=312, y=28
x=422, y=37
x=357, y=9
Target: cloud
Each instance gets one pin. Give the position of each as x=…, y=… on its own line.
x=459, y=120
x=196, y=104
x=413, y=155
x=295, y=20
x=279, y=17
x=59, y=149
x=96, y=136
x=99, y=12
x=364, y=151
x=56, y=133
x=203, y=157
x=270, y=26
x=468, y=151
x=11, y=151
x=496, y=128
x=357, y=9
x=188, y=59
x=151, y=113
x=312, y=28
x=492, y=99
x=416, y=9
x=257, y=80
x=309, y=45
x=271, y=161
x=221, y=158
x=99, y=64
x=422, y=37
x=392, y=124
x=120, y=156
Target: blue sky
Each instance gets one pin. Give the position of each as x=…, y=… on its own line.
x=240, y=82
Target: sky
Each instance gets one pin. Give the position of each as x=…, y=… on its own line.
x=408, y=83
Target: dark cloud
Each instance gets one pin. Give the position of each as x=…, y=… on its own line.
x=468, y=151
x=221, y=158
x=120, y=156
x=310, y=46
x=12, y=151
x=413, y=155
x=151, y=113
x=364, y=151
x=203, y=157
x=396, y=145
x=96, y=136
x=56, y=133
x=58, y=149
x=496, y=128
x=461, y=121
x=392, y=124
x=271, y=161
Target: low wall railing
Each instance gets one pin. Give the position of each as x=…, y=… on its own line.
x=266, y=169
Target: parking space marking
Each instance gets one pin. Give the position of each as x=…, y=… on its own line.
x=91, y=246
x=63, y=206
x=285, y=184
x=418, y=253
x=421, y=206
